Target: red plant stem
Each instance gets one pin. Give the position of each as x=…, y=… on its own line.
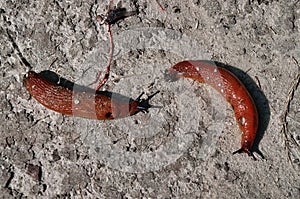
x=106, y=76
x=161, y=7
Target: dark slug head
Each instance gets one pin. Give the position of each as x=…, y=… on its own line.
x=246, y=148
x=142, y=105
x=120, y=106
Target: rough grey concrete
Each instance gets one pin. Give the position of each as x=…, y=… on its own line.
x=182, y=150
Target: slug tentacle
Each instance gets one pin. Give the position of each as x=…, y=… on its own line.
x=143, y=105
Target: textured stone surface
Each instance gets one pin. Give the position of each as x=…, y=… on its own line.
x=183, y=149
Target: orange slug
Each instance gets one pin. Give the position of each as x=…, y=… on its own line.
x=230, y=88
x=82, y=101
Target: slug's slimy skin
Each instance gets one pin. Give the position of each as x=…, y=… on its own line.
x=101, y=105
x=232, y=90
x=85, y=102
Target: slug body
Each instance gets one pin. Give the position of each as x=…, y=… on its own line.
x=83, y=102
x=231, y=88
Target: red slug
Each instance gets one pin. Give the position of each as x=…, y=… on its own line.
x=83, y=102
x=231, y=88
x=101, y=105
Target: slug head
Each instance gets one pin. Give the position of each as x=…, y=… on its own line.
x=246, y=148
x=143, y=104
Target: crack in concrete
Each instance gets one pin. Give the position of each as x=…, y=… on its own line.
x=16, y=47
x=289, y=140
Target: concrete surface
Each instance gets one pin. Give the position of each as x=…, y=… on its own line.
x=181, y=150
